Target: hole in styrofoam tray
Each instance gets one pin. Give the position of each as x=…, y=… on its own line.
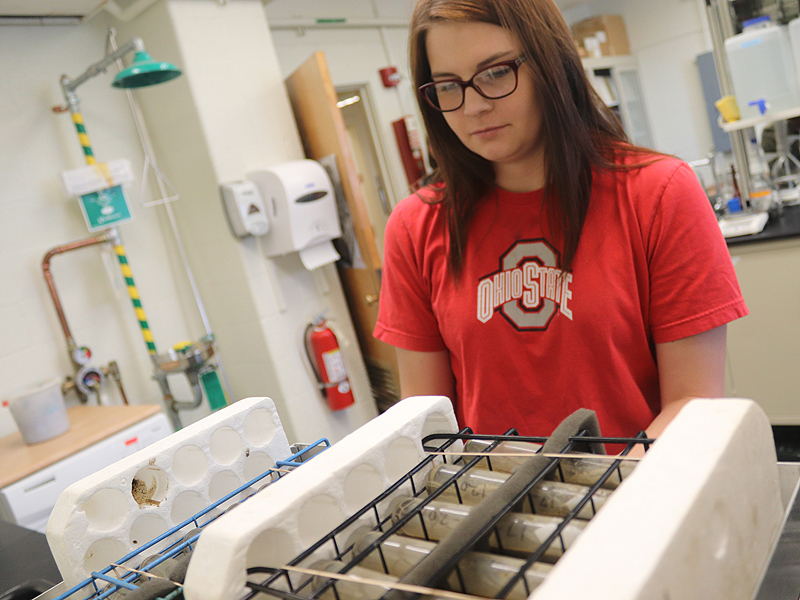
x=146, y=528
x=102, y=553
x=259, y=428
x=222, y=484
x=255, y=463
x=402, y=455
x=186, y=505
x=106, y=510
x=189, y=465
x=149, y=486
x=226, y=445
x=318, y=516
x=271, y=548
x=361, y=485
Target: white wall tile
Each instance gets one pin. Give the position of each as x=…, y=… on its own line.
x=37, y=215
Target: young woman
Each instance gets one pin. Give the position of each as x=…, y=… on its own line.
x=551, y=265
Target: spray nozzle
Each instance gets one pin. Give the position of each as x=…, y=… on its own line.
x=320, y=318
x=760, y=103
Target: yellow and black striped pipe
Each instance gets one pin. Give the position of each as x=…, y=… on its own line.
x=77, y=118
x=134, y=294
x=119, y=249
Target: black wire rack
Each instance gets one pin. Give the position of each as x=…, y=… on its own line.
x=285, y=583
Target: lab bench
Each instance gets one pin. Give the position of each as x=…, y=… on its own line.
x=33, y=476
x=779, y=226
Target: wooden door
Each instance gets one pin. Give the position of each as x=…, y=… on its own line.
x=323, y=132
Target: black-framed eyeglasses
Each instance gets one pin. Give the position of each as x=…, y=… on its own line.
x=494, y=82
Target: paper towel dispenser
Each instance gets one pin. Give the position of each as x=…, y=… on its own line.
x=300, y=204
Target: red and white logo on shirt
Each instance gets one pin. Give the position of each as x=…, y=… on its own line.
x=529, y=288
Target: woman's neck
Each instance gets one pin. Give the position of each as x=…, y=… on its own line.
x=522, y=176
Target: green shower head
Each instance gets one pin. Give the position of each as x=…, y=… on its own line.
x=145, y=71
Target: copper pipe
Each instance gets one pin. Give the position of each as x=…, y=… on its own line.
x=113, y=370
x=48, y=277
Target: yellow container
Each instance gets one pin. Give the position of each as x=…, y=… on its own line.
x=728, y=108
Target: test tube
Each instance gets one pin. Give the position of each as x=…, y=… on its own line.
x=351, y=590
x=354, y=590
x=507, y=464
x=583, y=471
x=189, y=546
x=548, y=497
x=482, y=574
x=519, y=533
x=587, y=471
x=159, y=570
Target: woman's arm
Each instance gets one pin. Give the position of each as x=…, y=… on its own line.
x=693, y=367
x=425, y=374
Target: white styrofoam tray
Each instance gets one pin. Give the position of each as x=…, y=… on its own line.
x=111, y=513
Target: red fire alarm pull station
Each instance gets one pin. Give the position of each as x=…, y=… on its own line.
x=408, y=142
x=389, y=76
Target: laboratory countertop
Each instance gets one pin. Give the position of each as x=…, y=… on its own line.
x=88, y=425
x=779, y=226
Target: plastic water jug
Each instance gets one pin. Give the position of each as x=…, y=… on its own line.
x=762, y=67
x=794, y=39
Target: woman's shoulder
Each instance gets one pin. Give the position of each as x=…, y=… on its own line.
x=647, y=176
x=416, y=220
x=658, y=184
x=421, y=206
x=649, y=167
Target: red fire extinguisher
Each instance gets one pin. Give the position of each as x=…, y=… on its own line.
x=326, y=360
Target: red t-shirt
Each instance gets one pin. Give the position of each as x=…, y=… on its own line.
x=528, y=347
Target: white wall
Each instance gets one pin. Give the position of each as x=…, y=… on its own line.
x=228, y=115
x=665, y=37
x=354, y=57
x=37, y=215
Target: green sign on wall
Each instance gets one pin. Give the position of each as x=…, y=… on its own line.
x=105, y=208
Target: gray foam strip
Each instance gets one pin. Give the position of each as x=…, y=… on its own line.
x=151, y=590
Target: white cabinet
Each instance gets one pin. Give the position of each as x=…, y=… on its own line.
x=616, y=80
x=28, y=501
x=764, y=347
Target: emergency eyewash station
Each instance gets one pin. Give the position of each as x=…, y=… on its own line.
x=104, y=206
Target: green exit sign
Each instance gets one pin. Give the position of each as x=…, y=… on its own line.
x=105, y=208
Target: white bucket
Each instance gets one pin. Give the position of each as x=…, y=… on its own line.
x=40, y=412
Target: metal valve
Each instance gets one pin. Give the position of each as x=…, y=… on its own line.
x=89, y=380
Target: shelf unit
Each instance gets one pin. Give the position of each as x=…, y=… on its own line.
x=616, y=80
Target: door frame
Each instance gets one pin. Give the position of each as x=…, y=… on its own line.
x=364, y=90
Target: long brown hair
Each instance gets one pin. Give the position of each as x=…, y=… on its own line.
x=580, y=132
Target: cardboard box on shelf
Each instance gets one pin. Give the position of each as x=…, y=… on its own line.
x=608, y=32
x=581, y=50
